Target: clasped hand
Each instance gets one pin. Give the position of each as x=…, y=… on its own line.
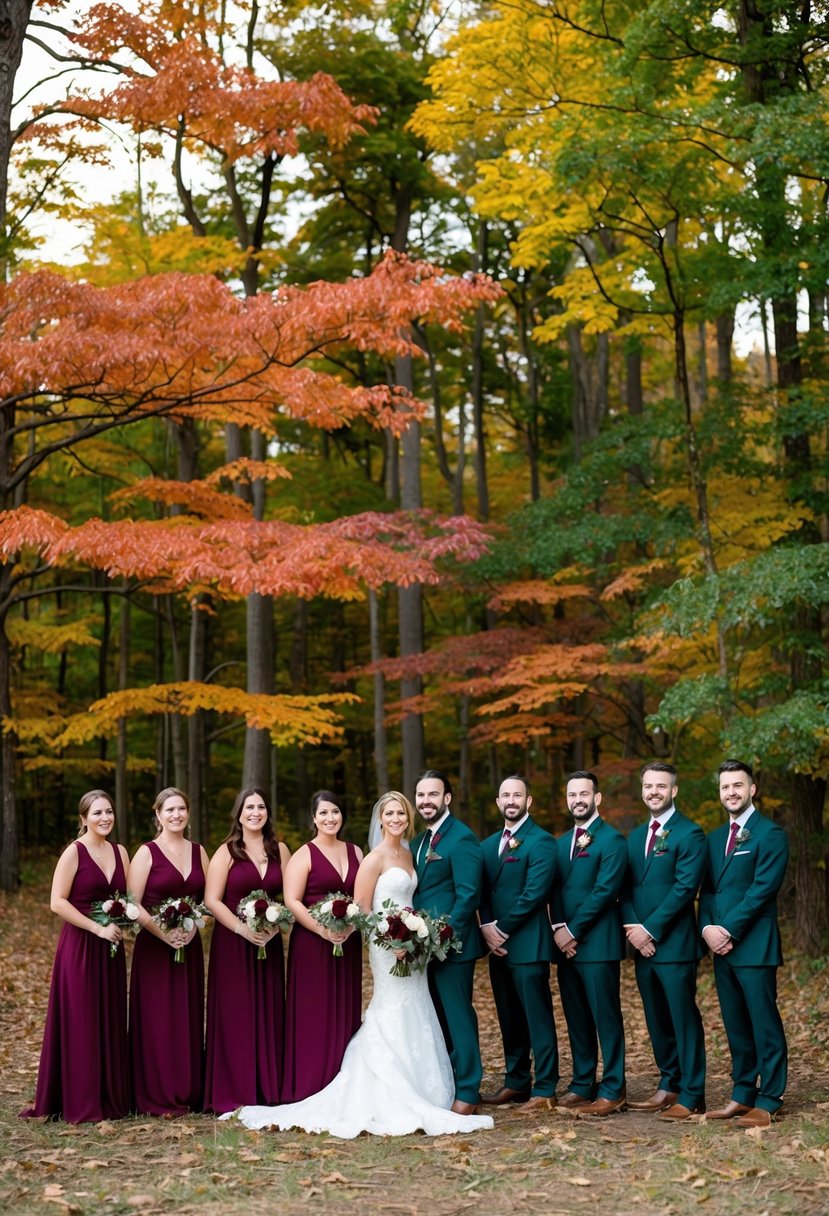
x=176, y=938
x=641, y=940
x=717, y=939
x=565, y=941
x=494, y=939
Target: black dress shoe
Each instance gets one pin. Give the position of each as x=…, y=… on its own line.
x=503, y=1095
x=464, y=1108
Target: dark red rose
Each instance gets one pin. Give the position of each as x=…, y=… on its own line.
x=170, y=915
x=446, y=933
x=184, y=908
x=260, y=906
x=339, y=908
x=398, y=932
x=117, y=909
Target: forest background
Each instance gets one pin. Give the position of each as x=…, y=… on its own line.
x=389, y=413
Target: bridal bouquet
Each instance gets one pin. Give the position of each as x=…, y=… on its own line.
x=118, y=910
x=182, y=913
x=259, y=912
x=338, y=912
x=422, y=937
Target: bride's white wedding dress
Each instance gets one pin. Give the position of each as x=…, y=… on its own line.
x=395, y=1077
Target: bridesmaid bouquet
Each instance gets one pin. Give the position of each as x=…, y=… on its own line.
x=118, y=910
x=422, y=937
x=338, y=912
x=260, y=912
x=182, y=913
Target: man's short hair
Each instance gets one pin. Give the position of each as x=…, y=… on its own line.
x=515, y=777
x=434, y=774
x=735, y=766
x=658, y=766
x=582, y=774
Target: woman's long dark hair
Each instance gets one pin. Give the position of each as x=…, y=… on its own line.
x=235, y=840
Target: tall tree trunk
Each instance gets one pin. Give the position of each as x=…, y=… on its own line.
x=702, y=365
x=410, y=599
x=122, y=811
x=725, y=337
x=381, y=746
x=14, y=18
x=810, y=857
x=9, y=841
x=261, y=652
x=590, y=381
x=196, y=733
x=478, y=347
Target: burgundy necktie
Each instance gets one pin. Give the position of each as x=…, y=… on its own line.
x=732, y=839
x=505, y=839
x=655, y=826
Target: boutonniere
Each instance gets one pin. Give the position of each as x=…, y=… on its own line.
x=432, y=855
x=660, y=844
x=583, y=843
x=513, y=844
x=742, y=837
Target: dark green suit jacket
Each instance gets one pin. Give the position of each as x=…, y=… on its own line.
x=450, y=883
x=517, y=890
x=660, y=889
x=586, y=893
x=739, y=891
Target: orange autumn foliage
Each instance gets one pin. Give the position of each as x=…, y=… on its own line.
x=236, y=558
x=179, y=345
x=175, y=83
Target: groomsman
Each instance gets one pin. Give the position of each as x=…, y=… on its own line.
x=747, y=860
x=519, y=868
x=666, y=858
x=590, y=941
x=447, y=857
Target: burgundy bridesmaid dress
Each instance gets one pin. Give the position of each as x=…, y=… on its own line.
x=245, y=1004
x=167, y=1001
x=324, y=993
x=84, y=1069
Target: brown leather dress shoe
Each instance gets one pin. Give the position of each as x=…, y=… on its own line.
x=756, y=1117
x=661, y=1100
x=464, y=1108
x=571, y=1101
x=730, y=1111
x=504, y=1095
x=602, y=1107
x=539, y=1103
x=677, y=1112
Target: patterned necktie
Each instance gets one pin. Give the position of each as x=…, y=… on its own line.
x=732, y=839
x=505, y=839
x=655, y=826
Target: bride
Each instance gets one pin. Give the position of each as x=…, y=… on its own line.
x=395, y=1077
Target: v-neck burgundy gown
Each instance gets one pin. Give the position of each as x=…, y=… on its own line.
x=324, y=993
x=245, y=1004
x=84, y=1070
x=167, y=1001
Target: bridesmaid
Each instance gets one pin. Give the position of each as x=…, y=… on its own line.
x=167, y=998
x=84, y=1070
x=245, y=996
x=324, y=993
